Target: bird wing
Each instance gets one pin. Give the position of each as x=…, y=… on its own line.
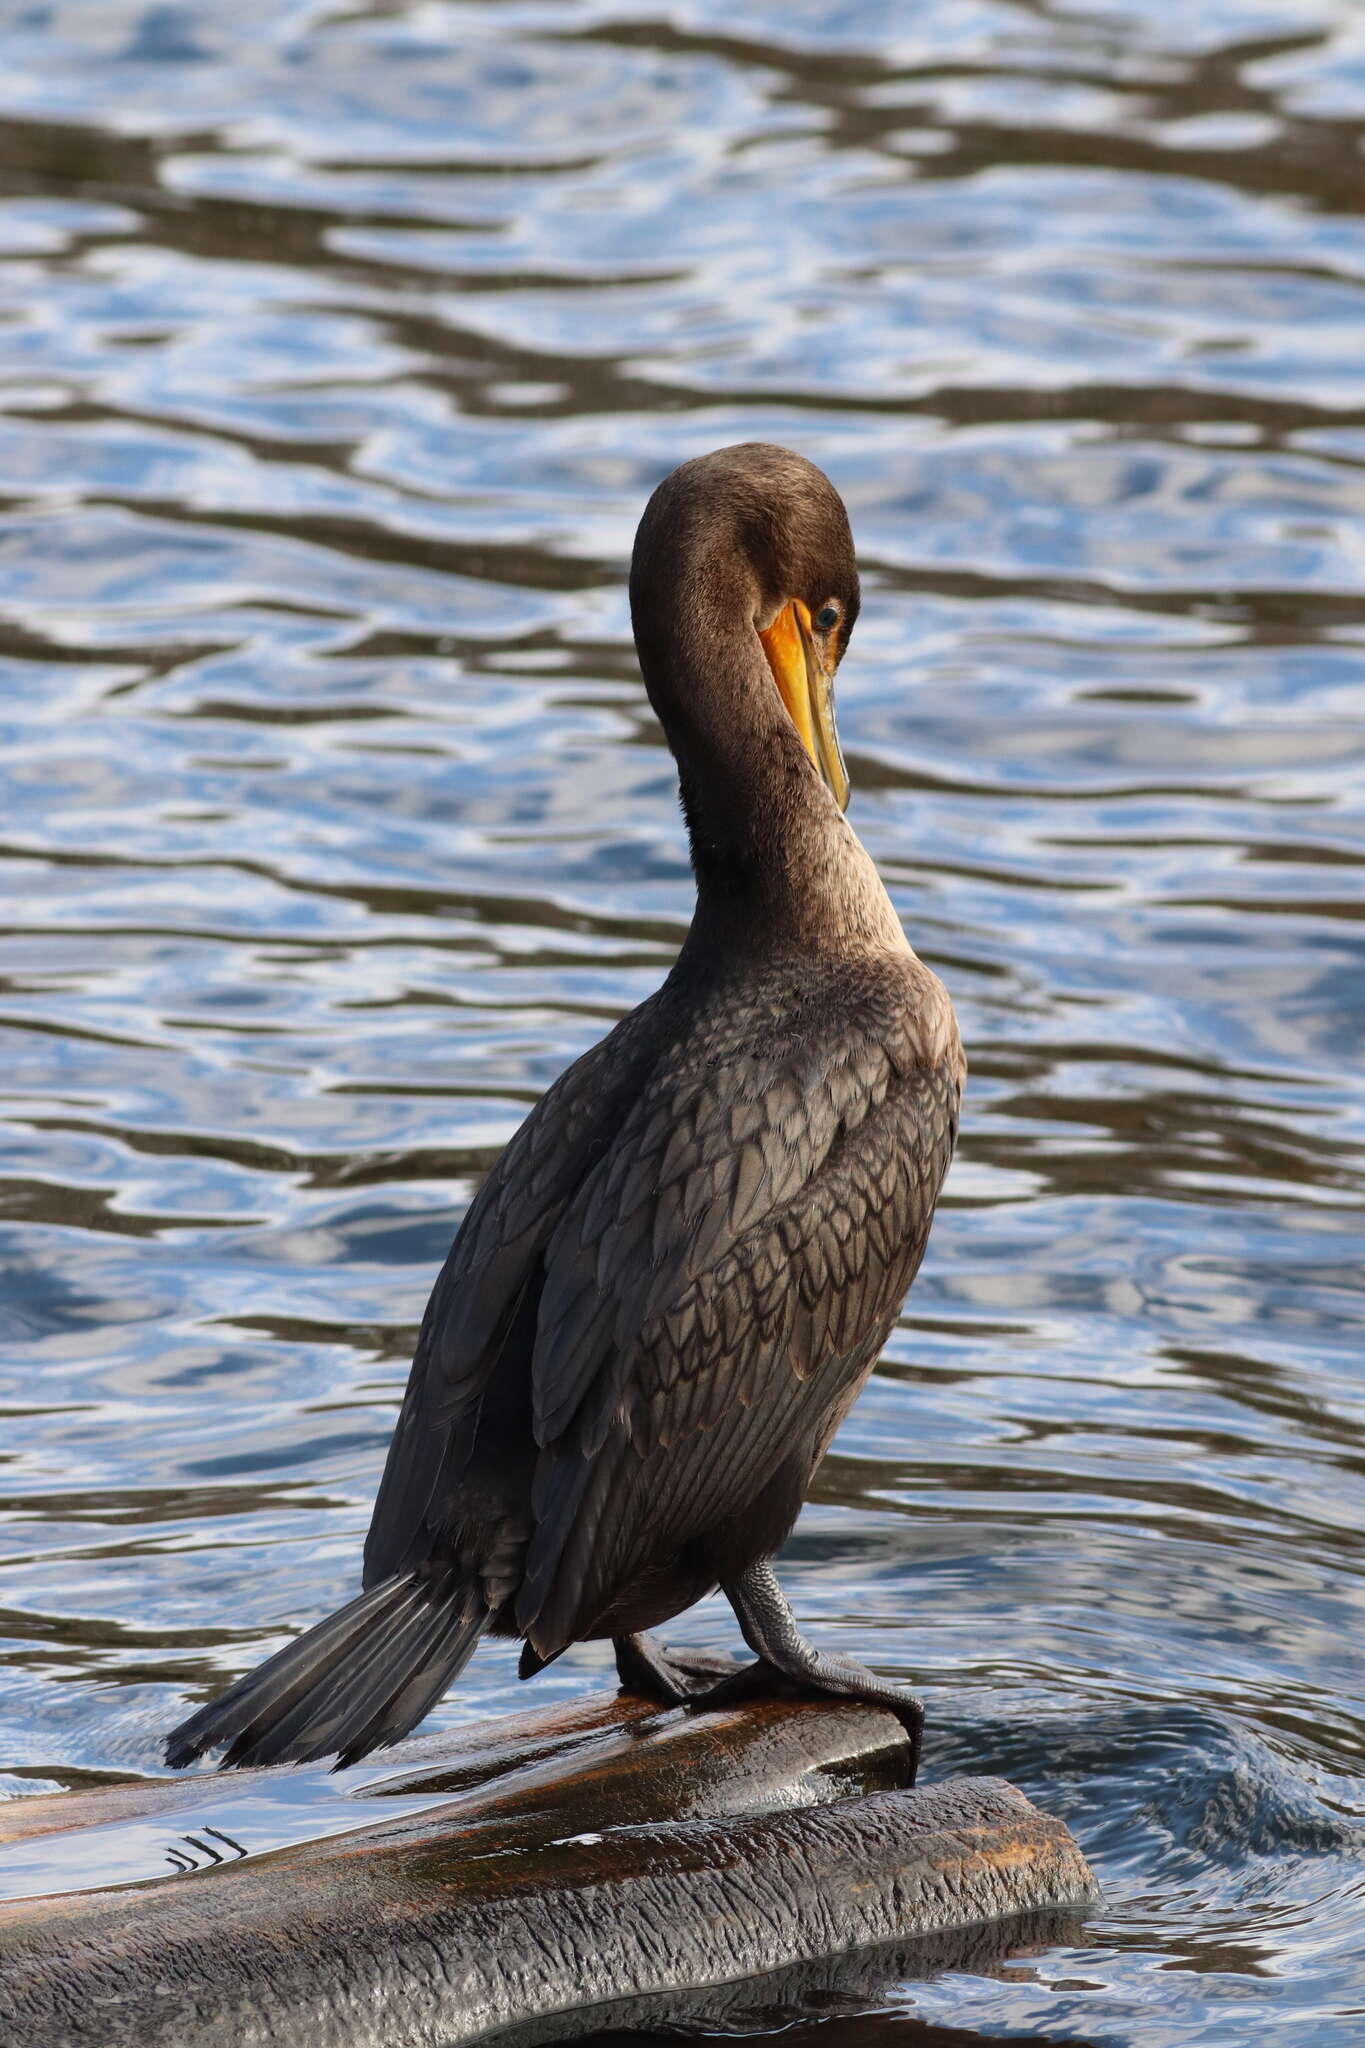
x=473, y=1312
x=719, y=1287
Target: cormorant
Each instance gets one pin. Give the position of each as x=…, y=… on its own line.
x=669, y=1290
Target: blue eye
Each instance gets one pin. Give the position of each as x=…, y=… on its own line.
x=827, y=618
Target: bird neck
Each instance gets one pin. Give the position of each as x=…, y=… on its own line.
x=776, y=862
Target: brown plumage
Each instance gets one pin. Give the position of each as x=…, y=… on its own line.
x=671, y=1286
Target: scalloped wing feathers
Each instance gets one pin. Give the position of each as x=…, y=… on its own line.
x=683, y=1267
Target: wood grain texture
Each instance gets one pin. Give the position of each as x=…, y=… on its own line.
x=566, y=1861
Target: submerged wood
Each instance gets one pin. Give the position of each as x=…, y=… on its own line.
x=515, y=1875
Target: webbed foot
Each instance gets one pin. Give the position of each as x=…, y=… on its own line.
x=676, y=1677
x=786, y=1661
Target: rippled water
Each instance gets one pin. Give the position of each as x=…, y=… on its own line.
x=339, y=349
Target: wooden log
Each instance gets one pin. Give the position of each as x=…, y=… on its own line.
x=510, y=1875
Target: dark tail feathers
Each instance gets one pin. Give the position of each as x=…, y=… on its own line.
x=360, y=1679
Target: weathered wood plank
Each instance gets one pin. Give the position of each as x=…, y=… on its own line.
x=541, y=1865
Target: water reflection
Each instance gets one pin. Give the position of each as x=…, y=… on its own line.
x=339, y=350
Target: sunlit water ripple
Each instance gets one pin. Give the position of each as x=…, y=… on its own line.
x=339, y=348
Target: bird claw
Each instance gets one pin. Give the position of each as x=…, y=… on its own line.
x=677, y=1678
x=838, y=1677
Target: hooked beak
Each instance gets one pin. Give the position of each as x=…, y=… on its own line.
x=807, y=690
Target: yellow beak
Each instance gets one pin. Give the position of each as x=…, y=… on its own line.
x=807, y=690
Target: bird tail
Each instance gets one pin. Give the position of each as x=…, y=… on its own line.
x=360, y=1679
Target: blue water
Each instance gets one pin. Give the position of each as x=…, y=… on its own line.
x=339, y=348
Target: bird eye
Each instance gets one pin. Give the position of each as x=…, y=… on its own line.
x=827, y=618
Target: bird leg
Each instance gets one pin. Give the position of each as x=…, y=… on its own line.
x=673, y=1676
x=786, y=1658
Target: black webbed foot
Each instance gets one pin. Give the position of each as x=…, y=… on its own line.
x=786, y=1661
x=839, y=1676
x=675, y=1677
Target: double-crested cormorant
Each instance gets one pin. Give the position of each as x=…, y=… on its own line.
x=669, y=1290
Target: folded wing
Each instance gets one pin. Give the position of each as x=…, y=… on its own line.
x=714, y=1296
